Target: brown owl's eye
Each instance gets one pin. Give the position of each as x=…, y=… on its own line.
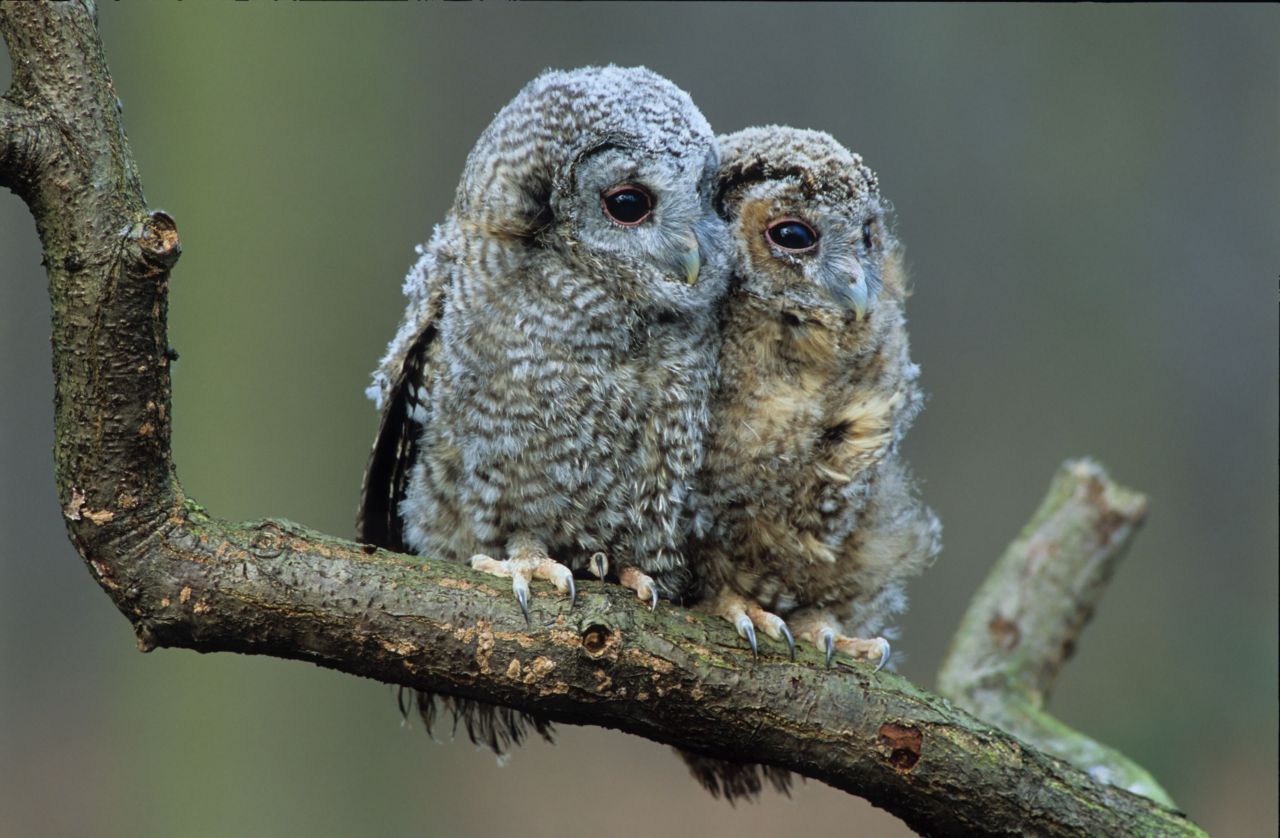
x=792, y=234
x=628, y=205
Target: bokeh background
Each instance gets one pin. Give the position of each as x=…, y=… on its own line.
x=1090, y=198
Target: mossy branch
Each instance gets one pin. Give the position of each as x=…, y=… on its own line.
x=1022, y=625
x=184, y=579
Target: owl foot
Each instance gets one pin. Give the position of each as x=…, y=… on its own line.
x=747, y=617
x=525, y=567
x=876, y=650
x=641, y=583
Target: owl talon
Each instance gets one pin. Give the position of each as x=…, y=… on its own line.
x=876, y=650
x=884, y=657
x=522, y=596
x=824, y=633
x=747, y=631
x=558, y=575
x=528, y=562
x=747, y=617
x=644, y=586
x=773, y=625
x=600, y=565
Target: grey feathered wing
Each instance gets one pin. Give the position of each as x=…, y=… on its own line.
x=404, y=382
x=395, y=450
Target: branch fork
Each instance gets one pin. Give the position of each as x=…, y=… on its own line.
x=186, y=579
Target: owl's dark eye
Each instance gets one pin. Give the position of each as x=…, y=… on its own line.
x=628, y=204
x=792, y=234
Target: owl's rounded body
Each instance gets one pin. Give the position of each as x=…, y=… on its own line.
x=560, y=411
x=816, y=523
x=813, y=507
x=546, y=395
x=545, y=400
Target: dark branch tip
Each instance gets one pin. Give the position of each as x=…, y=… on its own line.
x=146, y=638
x=159, y=240
x=595, y=639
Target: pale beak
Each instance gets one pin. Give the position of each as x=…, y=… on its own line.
x=691, y=261
x=851, y=290
x=857, y=296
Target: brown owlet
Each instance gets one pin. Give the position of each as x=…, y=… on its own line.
x=816, y=522
x=545, y=400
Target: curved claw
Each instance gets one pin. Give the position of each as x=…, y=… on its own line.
x=829, y=643
x=791, y=643
x=600, y=563
x=573, y=593
x=522, y=596
x=884, y=656
x=637, y=581
x=748, y=631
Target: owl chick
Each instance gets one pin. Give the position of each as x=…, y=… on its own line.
x=816, y=524
x=545, y=400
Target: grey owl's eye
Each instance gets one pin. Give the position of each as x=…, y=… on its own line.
x=792, y=234
x=627, y=204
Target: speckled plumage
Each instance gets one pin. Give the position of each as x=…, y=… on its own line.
x=816, y=518
x=546, y=393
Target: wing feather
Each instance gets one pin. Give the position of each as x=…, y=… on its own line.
x=404, y=406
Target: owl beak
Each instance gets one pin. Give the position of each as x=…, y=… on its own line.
x=691, y=261
x=852, y=290
x=857, y=297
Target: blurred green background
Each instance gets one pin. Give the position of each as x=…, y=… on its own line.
x=1090, y=199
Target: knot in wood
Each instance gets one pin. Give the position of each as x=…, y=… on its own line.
x=900, y=746
x=159, y=241
x=266, y=542
x=1005, y=633
x=595, y=639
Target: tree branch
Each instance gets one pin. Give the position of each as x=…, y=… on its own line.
x=12, y=125
x=184, y=579
x=1022, y=625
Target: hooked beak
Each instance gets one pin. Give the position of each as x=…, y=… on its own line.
x=691, y=260
x=851, y=290
x=857, y=297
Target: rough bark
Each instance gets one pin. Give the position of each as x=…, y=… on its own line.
x=184, y=579
x=1022, y=625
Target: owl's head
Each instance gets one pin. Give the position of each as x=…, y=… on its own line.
x=611, y=168
x=806, y=219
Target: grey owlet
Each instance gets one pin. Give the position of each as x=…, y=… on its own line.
x=817, y=524
x=544, y=402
